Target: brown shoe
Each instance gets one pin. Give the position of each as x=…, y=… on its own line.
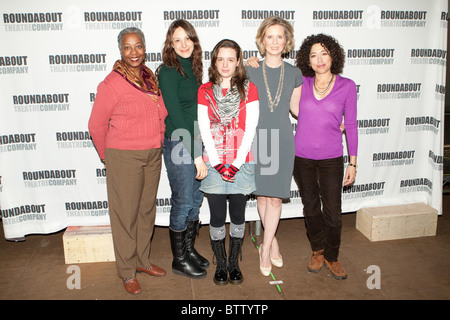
x=153, y=270
x=316, y=262
x=132, y=286
x=336, y=270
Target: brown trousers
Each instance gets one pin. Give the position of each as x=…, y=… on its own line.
x=132, y=183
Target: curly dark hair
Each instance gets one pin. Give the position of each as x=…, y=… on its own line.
x=330, y=44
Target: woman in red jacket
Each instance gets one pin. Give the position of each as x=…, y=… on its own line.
x=127, y=128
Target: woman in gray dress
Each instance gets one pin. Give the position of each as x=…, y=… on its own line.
x=279, y=87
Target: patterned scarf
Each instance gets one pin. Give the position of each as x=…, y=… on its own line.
x=227, y=105
x=151, y=85
x=225, y=109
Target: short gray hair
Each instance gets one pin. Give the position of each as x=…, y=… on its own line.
x=128, y=31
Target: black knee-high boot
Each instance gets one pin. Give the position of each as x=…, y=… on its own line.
x=235, y=252
x=181, y=263
x=221, y=275
x=191, y=233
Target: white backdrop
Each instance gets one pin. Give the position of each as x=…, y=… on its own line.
x=54, y=54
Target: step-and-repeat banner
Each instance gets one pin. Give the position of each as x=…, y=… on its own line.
x=54, y=54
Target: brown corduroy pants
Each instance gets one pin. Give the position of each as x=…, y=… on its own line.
x=132, y=183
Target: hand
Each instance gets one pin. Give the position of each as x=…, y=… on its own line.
x=349, y=176
x=230, y=173
x=227, y=176
x=342, y=127
x=252, y=62
x=202, y=169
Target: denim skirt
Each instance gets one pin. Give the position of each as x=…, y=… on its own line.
x=244, y=181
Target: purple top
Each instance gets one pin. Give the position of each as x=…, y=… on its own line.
x=318, y=134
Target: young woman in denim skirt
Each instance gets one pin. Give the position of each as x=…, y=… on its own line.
x=228, y=112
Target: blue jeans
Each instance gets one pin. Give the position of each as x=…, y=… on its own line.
x=186, y=196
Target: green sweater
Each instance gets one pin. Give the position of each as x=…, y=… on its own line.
x=180, y=98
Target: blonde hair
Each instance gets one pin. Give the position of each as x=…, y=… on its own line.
x=288, y=33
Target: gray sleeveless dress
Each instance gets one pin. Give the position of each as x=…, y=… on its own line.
x=274, y=147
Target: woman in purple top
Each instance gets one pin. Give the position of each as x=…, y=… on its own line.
x=326, y=99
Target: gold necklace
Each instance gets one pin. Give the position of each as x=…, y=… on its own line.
x=274, y=103
x=321, y=93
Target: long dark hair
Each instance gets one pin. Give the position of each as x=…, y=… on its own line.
x=239, y=76
x=170, y=56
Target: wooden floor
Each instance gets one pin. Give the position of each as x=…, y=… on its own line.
x=410, y=269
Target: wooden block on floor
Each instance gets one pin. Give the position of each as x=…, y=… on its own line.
x=397, y=222
x=88, y=244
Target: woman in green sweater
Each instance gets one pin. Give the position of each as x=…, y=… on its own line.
x=180, y=76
